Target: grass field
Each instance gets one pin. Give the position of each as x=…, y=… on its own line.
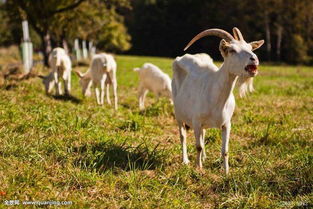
x=74, y=150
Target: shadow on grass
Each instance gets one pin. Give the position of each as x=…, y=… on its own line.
x=67, y=98
x=126, y=106
x=109, y=156
x=10, y=87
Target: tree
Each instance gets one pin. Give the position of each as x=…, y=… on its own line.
x=94, y=20
x=39, y=14
x=62, y=20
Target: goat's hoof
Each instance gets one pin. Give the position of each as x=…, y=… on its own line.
x=186, y=162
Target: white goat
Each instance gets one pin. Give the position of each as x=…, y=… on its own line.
x=154, y=79
x=102, y=72
x=203, y=94
x=61, y=66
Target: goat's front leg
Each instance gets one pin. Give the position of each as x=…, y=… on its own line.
x=225, y=140
x=199, y=143
x=183, y=138
x=97, y=95
x=142, y=94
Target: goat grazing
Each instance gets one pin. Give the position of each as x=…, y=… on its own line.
x=102, y=72
x=203, y=93
x=154, y=79
x=61, y=66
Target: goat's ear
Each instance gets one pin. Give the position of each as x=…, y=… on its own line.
x=79, y=74
x=224, y=46
x=256, y=44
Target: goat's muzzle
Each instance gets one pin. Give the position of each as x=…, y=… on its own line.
x=252, y=70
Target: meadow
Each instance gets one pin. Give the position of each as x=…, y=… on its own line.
x=71, y=149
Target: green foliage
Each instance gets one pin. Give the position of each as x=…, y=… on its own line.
x=94, y=20
x=98, y=20
x=299, y=49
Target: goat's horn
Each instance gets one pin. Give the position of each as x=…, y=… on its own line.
x=211, y=32
x=237, y=34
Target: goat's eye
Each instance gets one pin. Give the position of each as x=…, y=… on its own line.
x=232, y=51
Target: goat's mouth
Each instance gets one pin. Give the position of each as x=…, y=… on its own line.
x=252, y=69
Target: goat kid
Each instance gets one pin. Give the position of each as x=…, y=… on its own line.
x=154, y=79
x=61, y=66
x=102, y=72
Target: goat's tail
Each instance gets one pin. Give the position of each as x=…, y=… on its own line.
x=58, y=59
x=179, y=75
x=137, y=69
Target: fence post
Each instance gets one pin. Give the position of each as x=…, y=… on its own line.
x=85, y=51
x=27, y=49
x=92, y=49
x=77, y=50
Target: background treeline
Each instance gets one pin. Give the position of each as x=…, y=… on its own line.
x=163, y=27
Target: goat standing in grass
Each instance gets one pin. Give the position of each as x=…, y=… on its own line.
x=154, y=79
x=61, y=66
x=203, y=93
x=102, y=72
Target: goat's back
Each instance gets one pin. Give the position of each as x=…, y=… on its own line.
x=197, y=64
x=154, y=78
x=103, y=62
x=60, y=61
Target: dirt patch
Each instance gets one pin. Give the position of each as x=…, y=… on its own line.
x=12, y=74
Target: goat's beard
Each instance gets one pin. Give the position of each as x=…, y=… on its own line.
x=245, y=84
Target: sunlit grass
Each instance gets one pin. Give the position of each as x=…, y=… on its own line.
x=72, y=149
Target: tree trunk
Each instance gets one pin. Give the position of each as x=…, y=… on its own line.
x=65, y=45
x=279, y=40
x=46, y=47
x=268, y=37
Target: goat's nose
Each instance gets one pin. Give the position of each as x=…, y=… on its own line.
x=252, y=59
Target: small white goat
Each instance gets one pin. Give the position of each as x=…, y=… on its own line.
x=154, y=79
x=61, y=66
x=102, y=72
x=203, y=94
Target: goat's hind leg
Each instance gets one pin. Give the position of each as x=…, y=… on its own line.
x=183, y=140
x=199, y=143
x=102, y=87
x=203, y=153
x=108, y=94
x=114, y=84
x=67, y=87
x=97, y=95
x=57, y=83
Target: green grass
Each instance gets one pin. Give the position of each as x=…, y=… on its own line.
x=74, y=150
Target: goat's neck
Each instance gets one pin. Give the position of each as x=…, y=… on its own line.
x=225, y=84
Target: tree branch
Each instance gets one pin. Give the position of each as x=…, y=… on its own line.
x=72, y=6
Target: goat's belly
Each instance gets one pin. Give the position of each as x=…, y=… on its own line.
x=183, y=116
